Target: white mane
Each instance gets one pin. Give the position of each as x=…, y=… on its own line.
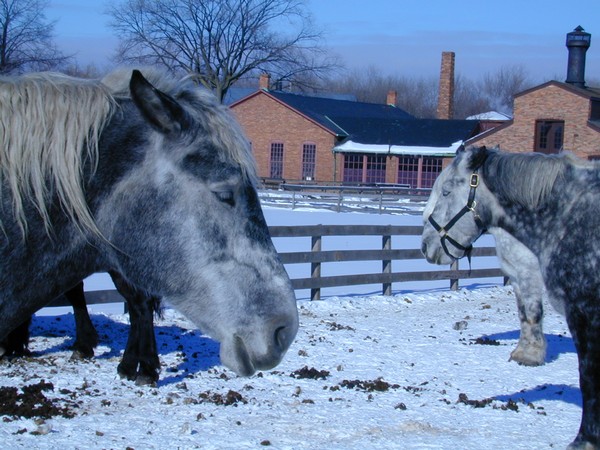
x=46, y=120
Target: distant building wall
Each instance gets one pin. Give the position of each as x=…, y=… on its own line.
x=265, y=121
x=551, y=102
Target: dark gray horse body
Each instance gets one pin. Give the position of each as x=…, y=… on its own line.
x=550, y=204
x=140, y=362
x=157, y=186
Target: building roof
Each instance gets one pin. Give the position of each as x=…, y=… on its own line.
x=490, y=115
x=377, y=128
x=406, y=136
x=327, y=111
x=588, y=92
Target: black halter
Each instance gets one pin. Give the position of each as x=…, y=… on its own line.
x=470, y=206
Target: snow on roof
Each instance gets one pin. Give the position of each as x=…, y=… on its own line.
x=354, y=147
x=490, y=115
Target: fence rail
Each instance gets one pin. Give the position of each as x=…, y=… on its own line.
x=316, y=257
x=382, y=198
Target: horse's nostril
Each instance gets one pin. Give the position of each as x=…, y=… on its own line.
x=424, y=248
x=282, y=338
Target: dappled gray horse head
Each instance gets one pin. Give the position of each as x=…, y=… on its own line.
x=186, y=224
x=153, y=180
x=451, y=220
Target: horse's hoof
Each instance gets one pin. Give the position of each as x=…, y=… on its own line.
x=531, y=358
x=79, y=355
x=123, y=372
x=582, y=445
x=145, y=380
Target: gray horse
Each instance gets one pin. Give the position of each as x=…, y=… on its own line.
x=522, y=267
x=153, y=181
x=550, y=205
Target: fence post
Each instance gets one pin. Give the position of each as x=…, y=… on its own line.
x=315, y=268
x=454, y=281
x=386, y=244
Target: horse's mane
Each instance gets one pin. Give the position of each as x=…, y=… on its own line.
x=525, y=178
x=50, y=125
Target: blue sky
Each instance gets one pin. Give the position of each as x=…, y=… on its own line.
x=403, y=37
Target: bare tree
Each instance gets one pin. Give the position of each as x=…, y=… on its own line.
x=469, y=99
x=501, y=86
x=26, y=37
x=221, y=41
x=417, y=96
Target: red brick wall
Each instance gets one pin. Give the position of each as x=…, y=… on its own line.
x=265, y=120
x=549, y=102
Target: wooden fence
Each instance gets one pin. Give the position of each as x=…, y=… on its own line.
x=316, y=257
x=386, y=254
x=382, y=198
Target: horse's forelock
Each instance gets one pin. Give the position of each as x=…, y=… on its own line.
x=523, y=178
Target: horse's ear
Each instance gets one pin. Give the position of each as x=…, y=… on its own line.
x=478, y=157
x=162, y=111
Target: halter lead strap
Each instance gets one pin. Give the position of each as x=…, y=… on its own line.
x=470, y=206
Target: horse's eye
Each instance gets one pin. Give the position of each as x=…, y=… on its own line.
x=445, y=193
x=225, y=197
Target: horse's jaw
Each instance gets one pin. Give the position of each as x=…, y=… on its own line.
x=263, y=349
x=432, y=249
x=438, y=256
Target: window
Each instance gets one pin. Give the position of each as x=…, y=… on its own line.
x=432, y=166
x=276, y=160
x=549, y=136
x=353, y=168
x=375, y=169
x=408, y=170
x=309, y=152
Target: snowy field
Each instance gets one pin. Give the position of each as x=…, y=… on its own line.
x=426, y=368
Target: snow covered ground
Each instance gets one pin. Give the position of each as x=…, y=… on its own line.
x=423, y=369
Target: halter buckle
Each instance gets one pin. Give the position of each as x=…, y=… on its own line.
x=474, y=180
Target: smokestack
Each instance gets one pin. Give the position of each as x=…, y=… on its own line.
x=264, y=81
x=445, y=108
x=578, y=41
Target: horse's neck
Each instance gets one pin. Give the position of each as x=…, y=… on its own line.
x=532, y=226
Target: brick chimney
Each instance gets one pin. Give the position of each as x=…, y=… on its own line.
x=445, y=108
x=264, y=81
x=392, y=98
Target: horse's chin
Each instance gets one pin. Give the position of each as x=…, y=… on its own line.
x=436, y=255
x=235, y=356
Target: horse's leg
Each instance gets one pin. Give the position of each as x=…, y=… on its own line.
x=583, y=318
x=86, y=336
x=17, y=341
x=531, y=348
x=140, y=360
x=523, y=269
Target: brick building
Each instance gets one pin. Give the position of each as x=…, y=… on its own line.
x=297, y=137
x=554, y=116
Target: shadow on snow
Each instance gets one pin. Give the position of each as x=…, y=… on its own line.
x=195, y=353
